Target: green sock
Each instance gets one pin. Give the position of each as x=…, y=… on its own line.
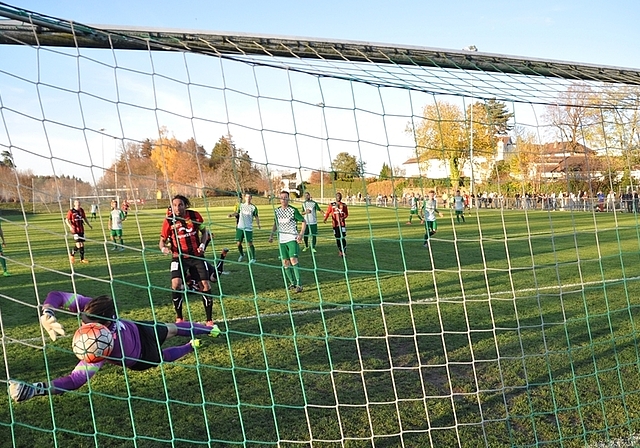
x=252, y=252
x=296, y=272
x=3, y=262
x=287, y=271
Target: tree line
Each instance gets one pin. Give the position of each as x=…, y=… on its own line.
x=600, y=127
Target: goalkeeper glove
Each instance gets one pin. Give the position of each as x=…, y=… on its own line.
x=50, y=324
x=20, y=391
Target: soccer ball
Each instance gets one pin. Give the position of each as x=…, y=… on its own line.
x=92, y=342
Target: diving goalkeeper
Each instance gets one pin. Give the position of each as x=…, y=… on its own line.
x=136, y=344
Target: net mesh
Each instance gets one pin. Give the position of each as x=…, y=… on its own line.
x=512, y=324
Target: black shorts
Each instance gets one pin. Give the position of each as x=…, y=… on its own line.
x=195, y=267
x=340, y=232
x=152, y=336
x=78, y=237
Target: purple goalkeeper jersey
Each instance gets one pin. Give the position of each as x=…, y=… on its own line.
x=125, y=335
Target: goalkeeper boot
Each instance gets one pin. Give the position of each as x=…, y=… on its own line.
x=215, y=331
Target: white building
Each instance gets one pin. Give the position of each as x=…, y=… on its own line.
x=439, y=169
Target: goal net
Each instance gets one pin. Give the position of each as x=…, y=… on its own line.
x=485, y=292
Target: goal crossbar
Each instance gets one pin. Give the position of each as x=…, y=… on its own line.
x=26, y=27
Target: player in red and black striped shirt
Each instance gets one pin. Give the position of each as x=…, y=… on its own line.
x=187, y=236
x=75, y=220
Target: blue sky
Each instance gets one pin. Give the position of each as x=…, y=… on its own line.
x=580, y=31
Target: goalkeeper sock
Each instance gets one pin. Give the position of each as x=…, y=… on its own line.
x=190, y=329
x=174, y=353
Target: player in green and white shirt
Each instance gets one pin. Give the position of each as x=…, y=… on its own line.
x=286, y=224
x=245, y=213
x=413, y=207
x=309, y=210
x=116, y=216
x=458, y=205
x=429, y=211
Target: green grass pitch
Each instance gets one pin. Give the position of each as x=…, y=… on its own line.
x=509, y=330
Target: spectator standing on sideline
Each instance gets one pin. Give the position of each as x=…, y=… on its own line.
x=429, y=211
x=600, y=197
x=245, y=213
x=116, y=216
x=187, y=236
x=76, y=218
x=309, y=210
x=3, y=262
x=339, y=213
x=286, y=224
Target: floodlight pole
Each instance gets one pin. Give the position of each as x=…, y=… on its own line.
x=102, y=147
x=321, y=151
x=115, y=165
x=471, y=148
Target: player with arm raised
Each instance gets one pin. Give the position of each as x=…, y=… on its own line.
x=135, y=344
